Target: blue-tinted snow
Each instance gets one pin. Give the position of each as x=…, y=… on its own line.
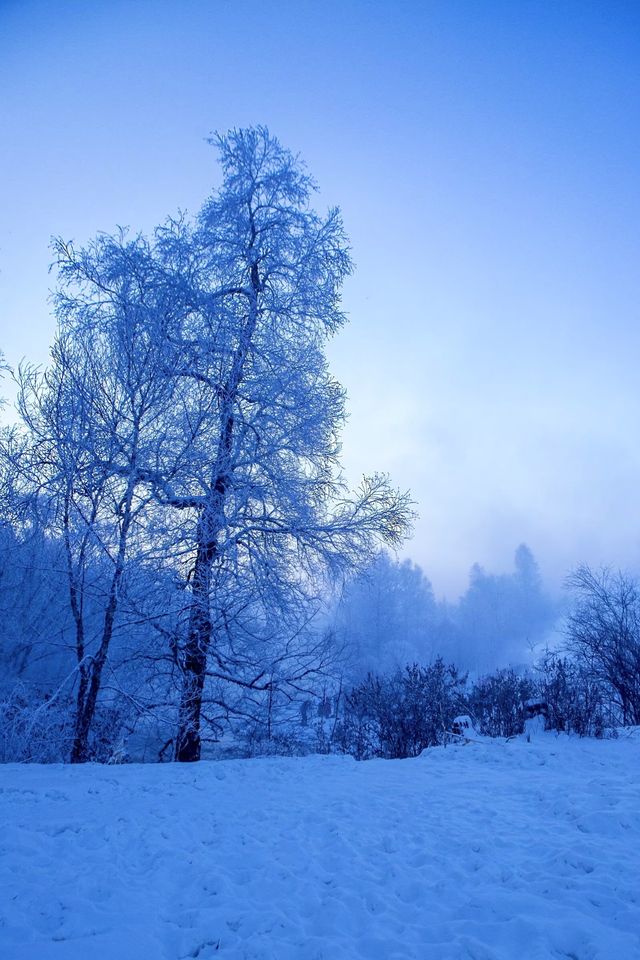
x=488, y=851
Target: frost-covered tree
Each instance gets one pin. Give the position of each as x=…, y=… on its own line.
x=94, y=423
x=33, y=607
x=257, y=283
x=188, y=425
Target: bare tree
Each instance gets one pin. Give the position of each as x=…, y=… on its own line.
x=603, y=633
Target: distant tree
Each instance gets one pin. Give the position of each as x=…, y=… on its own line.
x=502, y=616
x=526, y=570
x=385, y=616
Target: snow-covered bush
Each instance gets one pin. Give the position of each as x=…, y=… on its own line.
x=34, y=728
x=39, y=728
x=256, y=743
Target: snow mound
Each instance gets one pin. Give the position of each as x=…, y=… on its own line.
x=512, y=851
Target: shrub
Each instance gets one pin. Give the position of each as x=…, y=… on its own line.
x=497, y=703
x=575, y=701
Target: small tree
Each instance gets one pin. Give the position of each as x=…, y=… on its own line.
x=94, y=423
x=603, y=634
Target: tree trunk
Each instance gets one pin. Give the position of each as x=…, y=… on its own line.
x=86, y=711
x=80, y=749
x=91, y=679
x=188, y=741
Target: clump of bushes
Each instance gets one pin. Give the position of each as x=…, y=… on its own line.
x=401, y=714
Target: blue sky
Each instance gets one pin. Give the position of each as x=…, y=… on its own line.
x=485, y=157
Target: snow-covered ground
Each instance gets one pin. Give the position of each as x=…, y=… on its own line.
x=514, y=851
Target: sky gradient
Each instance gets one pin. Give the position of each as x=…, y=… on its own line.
x=485, y=156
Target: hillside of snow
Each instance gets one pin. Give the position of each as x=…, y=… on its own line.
x=489, y=851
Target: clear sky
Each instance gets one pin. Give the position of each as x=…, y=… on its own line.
x=485, y=155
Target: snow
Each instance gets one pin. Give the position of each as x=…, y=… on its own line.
x=488, y=851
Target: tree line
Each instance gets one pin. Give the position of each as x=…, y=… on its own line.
x=586, y=684
x=388, y=616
